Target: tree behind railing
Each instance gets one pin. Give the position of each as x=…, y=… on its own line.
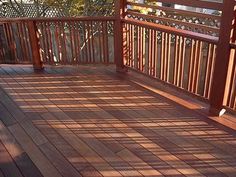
x=57, y=8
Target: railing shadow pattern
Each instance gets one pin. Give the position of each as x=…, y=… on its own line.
x=114, y=127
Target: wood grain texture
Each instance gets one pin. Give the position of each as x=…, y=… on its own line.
x=90, y=121
x=7, y=165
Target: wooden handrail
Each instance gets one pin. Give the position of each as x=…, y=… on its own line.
x=84, y=18
x=171, y=30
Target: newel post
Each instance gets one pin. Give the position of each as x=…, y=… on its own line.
x=35, y=48
x=120, y=6
x=222, y=60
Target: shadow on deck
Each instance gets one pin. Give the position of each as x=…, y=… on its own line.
x=87, y=121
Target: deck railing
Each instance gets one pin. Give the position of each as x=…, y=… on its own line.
x=197, y=57
x=186, y=49
x=61, y=40
x=181, y=58
x=230, y=90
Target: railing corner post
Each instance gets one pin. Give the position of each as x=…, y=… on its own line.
x=35, y=48
x=118, y=36
x=221, y=61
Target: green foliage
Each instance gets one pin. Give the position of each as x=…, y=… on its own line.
x=80, y=7
x=68, y=7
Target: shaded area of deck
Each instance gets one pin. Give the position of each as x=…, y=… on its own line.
x=86, y=121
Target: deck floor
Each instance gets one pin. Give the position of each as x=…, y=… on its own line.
x=85, y=121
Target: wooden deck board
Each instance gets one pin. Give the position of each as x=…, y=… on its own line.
x=7, y=165
x=88, y=121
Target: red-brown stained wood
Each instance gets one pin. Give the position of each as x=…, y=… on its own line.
x=21, y=40
x=77, y=43
x=37, y=63
x=7, y=165
x=64, y=40
x=27, y=41
x=92, y=116
x=71, y=30
x=49, y=36
x=118, y=37
x=222, y=59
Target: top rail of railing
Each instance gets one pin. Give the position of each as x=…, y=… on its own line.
x=82, y=18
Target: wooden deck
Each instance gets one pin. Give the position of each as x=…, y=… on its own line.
x=87, y=121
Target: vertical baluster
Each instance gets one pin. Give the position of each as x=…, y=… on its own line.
x=44, y=35
x=88, y=29
x=126, y=44
x=78, y=34
x=57, y=41
x=71, y=37
x=191, y=65
x=25, y=44
x=139, y=38
x=100, y=41
x=150, y=51
x=93, y=46
x=208, y=69
x=129, y=45
x=27, y=40
x=12, y=43
x=18, y=33
x=156, y=54
x=162, y=58
x=181, y=61
x=195, y=66
x=64, y=30
x=198, y=67
x=50, y=42
x=176, y=60
x=133, y=45
x=168, y=55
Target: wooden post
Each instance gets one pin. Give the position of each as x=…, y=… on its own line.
x=118, y=35
x=222, y=60
x=35, y=48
